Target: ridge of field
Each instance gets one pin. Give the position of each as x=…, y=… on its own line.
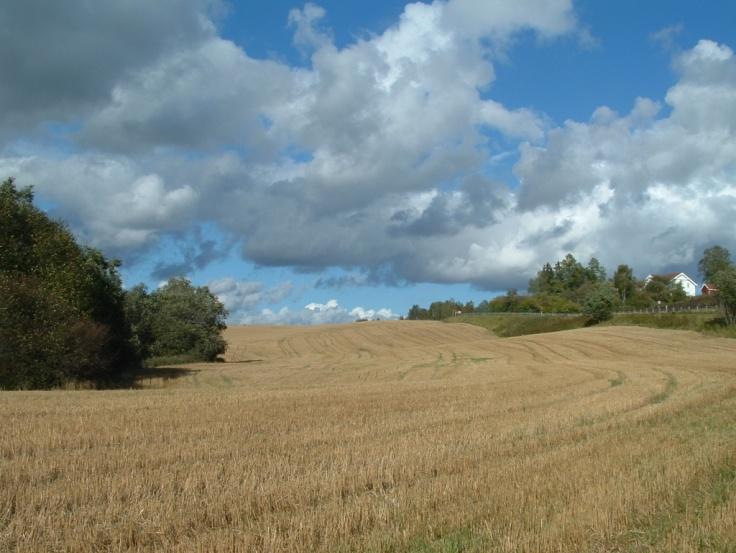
x=401, y=436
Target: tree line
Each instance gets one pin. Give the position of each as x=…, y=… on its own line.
x=64, y=315
x=569, y=286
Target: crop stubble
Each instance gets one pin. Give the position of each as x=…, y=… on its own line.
x=388, y=436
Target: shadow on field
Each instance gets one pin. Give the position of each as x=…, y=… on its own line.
x=142, y=378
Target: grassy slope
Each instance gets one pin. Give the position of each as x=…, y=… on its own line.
x=709, y=323
x=506, y=325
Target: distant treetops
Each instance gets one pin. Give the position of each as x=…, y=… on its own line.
x=568, y=286
x=64, y=315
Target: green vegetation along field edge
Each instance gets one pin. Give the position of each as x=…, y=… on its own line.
x=65, y=319
x=518, y=324
x=569, y=287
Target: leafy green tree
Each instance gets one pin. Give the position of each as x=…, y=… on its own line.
x=104, y=300
x=658, y=289
x=676, y=292
x=714, y=260
x=661, y=289
x=623, y=280
x=509, y=302
x=570, y=273
x=417, y=313
x=139, y=311
x=545, y=282
x=35, y=336
x=600, y=302
x=725, y=281
x=61, y=305
x=641, y=299
x=568, y=278
x=595, y=271
x=483, y=307
x=185, y=320
x=440, y=310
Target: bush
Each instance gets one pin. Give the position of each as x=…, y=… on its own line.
x=600, y=302
x=521, y=325
x=556, y=304
x=510, y=324
x=532, y=304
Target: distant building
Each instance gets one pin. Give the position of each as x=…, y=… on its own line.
x=708, y=289
x=688, y=285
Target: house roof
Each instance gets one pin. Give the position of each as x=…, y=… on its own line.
x=671, y=276
x=709, y=286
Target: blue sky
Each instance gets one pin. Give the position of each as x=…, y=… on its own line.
x=323, y=161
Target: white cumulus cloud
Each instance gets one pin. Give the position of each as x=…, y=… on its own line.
x=330, y=312
x=242, y=298
x=371, y=157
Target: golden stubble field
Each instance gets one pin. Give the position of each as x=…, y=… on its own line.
x=388, y=436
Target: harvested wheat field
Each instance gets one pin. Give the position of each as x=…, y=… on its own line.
x=388, y=436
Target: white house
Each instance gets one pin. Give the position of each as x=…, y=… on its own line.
x=688, y=284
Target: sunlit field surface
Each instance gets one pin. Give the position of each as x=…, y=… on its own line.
x=388, y=436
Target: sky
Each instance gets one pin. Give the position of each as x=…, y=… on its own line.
x=322, y=162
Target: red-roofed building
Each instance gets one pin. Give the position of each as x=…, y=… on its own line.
x=708, y=289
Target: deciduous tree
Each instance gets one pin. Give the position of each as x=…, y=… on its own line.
x=178, y=319
x=61, y=305
x=715, y=259
x=623, y=280
x=725, y=281
x=600, y=302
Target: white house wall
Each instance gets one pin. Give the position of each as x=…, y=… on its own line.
x=688, y=285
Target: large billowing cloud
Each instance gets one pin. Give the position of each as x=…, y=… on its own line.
x=60, y=60
x=374, y=156
x=110, y=200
